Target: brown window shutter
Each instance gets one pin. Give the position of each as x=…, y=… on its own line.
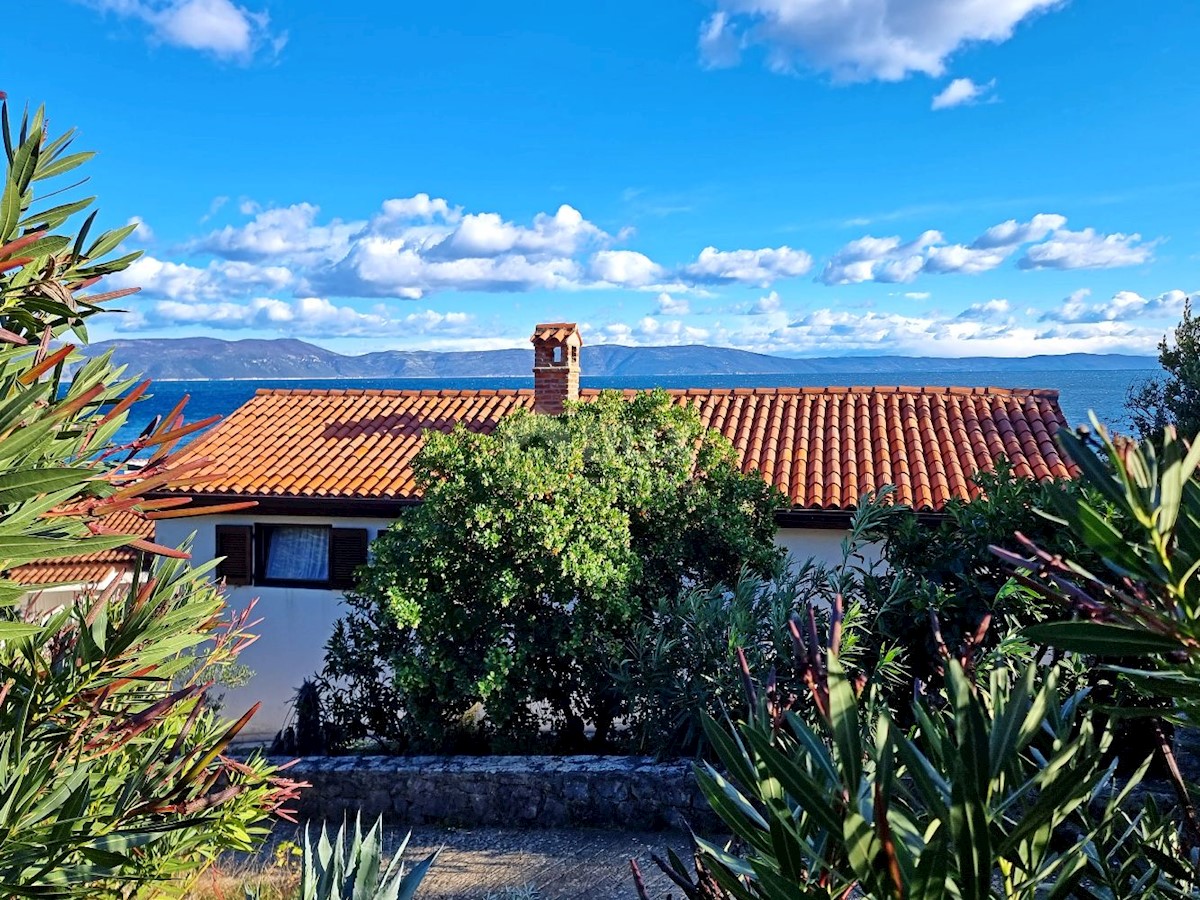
x=236, y=544
x=347, y=551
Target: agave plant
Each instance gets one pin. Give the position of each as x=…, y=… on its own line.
x=350, y=867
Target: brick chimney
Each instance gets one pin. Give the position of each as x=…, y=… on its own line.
x=555, y=366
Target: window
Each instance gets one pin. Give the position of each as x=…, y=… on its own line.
x=316, y=556
x=295, y=553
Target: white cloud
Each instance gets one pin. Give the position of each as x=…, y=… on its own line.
x=860, y=40
x=142, y=233
x=989, y=328
x=888, y=260
x=213, y=208
x=1123, y=306
x=305, y=316
x=1013, y=233
x=672, y=306
x=768, y=304
x=646, y=332
x=182, y=282
x=414, y=246
x=892, y=260
x=720, y=45
x=962, y=92
x=917, y=295
x=763, y=266
x=989, y=311
x=627, y=268
x=1087, y=249
x=220, y=27
x=289, y=232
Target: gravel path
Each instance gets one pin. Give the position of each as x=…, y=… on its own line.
x=547, y=865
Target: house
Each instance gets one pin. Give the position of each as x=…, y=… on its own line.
x=331, y=468
x=54, y=582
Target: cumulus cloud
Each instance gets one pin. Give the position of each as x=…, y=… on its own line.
x=1122, y=306
x=859, y=40
x=142, y=233
x=672, y=306
x=766, y=305
x=627, y=268
x=1012, y=233
x=304, y=316
x=289, y=232
x=988, y=328
x=1087, y=249
x=219, y=27
x=892, y=260
x=962, y=92
x=186, y=283
x=988, y=311
x=763, y=266
x=419, y=245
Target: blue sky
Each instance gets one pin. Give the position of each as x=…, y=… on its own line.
x=924, y=177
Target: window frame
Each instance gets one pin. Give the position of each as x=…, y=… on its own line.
x=262, y=545
x=348, y=547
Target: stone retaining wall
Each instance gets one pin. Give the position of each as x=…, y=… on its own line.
x=517, y=791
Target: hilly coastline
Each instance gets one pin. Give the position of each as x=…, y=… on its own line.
x=215, y=359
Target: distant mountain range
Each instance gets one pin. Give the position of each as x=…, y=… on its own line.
x=214, y=359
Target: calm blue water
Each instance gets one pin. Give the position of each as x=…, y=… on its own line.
x=1081, y=390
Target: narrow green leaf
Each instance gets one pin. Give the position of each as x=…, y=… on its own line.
x=1100, y=638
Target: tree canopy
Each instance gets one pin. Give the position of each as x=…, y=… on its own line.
x=515, y=586
x=1174, y=397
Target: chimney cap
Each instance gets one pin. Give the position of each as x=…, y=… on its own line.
x=556, y=332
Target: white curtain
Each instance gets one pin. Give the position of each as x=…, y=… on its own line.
x=298, y=553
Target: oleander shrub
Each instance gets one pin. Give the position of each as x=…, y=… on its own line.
x=114, y=778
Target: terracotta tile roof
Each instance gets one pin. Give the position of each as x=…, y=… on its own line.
x=822, y=447
x=88, y=568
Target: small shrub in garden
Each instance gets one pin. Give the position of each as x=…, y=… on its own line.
x=683, y=657
x=349, y=866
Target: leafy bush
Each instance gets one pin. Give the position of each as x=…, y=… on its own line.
x=944, y=572
x=515, y=586
x=684, y=657
x=112, y=773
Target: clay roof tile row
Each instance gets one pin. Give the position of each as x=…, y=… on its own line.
x=822, y=447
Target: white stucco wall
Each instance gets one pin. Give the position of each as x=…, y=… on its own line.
x=820, y=544
x=295, y=624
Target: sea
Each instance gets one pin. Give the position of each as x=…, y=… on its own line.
x=1081, y=391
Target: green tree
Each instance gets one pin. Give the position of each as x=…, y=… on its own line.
x=1174, y=397
x=112, y=768
x=516, y=585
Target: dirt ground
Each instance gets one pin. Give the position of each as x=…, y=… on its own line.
x=482, y=864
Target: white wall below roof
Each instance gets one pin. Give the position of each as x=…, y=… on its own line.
x=296, y=622
x=824, y=545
